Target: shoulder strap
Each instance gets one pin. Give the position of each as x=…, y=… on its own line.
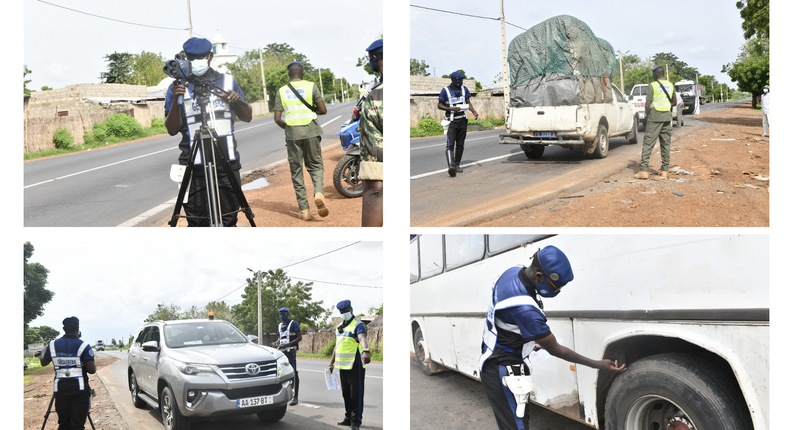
x=664, y=90
x=301, y=99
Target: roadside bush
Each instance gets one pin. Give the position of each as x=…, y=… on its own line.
x=488, y=123
x=328, y=348
x=63, y=138
x=100, y=132
x=158, y=123
x=124, y=126
x=427, y=127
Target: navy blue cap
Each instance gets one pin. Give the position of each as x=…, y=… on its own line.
x=294, y=63
x=658, y=67
x=71, y=322
x=343, y=304
x=456, y=75
x=283, y=309
x=376, y=46
x=197, y=46
x=556, y=266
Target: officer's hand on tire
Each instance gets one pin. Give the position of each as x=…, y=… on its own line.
x=611, y=366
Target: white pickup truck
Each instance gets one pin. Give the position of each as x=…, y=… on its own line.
x=637, y=100
x=587, y=124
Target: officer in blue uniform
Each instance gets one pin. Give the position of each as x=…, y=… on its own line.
x=450, y=100
x=290, y=336
x=514, y=324
x=186, y=120
x=73, y=361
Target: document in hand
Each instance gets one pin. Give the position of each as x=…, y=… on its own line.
x=332, y=381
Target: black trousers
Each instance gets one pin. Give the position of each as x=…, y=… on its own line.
x=456, y=134
x=352, y=382
x=197, y=204
x=502, y=401
x=292, y=359
x=72, y=410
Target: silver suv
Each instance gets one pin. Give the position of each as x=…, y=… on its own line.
x=200, y=369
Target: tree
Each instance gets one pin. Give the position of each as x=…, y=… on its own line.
x=277, y=291
x=119, y=70
x=636, y=76
x=419, y=68
x=47, y=333
x=373, y=310
x=114, y=342
x=221, y=311
x=678, y=70
x=283, y=53
x=26, y=81
x=755, y=14
x=165, y=313
x=36, y=294
x=45, y=88
x=147, y=69
x=752, y=69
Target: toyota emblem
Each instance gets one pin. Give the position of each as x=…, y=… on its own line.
x=252, y=369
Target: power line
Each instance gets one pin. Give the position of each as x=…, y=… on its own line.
x=465, y=14
x=112, y=19
x=321, y=255
x=334, y=283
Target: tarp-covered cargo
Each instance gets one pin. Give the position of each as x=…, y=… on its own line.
x=560, y=62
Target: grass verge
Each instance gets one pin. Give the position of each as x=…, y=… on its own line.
x=110, y=140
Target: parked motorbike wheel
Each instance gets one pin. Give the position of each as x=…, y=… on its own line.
x=346, y=177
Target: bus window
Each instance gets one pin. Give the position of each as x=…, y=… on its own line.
x=498, y=243
x=431, y=261
x=414, y=262
x=461, y=250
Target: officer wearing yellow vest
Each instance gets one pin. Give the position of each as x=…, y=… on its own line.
x=296, y=109
x=352, y=354
x=73, y=361
x=658, y=108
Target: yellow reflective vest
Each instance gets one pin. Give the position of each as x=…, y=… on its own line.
x=346, y=347
x=660, y=101
x=294, y=111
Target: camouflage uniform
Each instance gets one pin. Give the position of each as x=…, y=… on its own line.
x=371, y=136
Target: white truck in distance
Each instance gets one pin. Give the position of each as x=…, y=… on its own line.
x=587, y=124
x=693, y=94
x=638, y=98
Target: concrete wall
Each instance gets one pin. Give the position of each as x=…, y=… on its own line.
x=430, y=84
x=39, y=131
x=485, y=104
x=313, y=343
x=259, y=108
x=70, y=98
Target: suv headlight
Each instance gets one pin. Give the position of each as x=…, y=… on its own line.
x=282, y=365
x=192, y=369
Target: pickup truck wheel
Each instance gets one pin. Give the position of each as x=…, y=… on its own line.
x=171, y=418
x=601, y=142
x=272, y=415
x=135, y=389
x=634, y=139
x=532, y=151
x=675, y=392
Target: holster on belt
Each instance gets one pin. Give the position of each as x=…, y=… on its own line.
x=520, y=386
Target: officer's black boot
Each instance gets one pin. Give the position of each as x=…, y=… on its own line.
x=459, y=152
x=294, y=401
x=450, y=162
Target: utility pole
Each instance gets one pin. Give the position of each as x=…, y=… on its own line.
x=505, y=74
x=263, y=79
x=189, y=16
x=622, y=86
x=260, y=310
x=321, y=81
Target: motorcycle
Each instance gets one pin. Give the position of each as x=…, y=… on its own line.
x=346, y=174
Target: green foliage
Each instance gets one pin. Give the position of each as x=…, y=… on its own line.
x=36, y=294
x=752, y=69
x=119, y=69
x=419, y=68
x=427, y=127
x=376, y=353
x=326, y=351
x=678, y=70
x=488, y=123
x=45, y=88
x=123, y=126
x=26, y=81
x=158, y=126
x=636, y=76
x=755, y=14
x=63, y=138
x=373, y=310
x=165, y=312
x=147, y=69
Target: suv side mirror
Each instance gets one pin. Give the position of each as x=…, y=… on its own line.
x=151, y=346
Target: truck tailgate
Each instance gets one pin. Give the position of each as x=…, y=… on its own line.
x=548, y=118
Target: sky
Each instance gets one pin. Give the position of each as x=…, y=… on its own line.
x=705, y=34
x=112, y=285
x=63, y=47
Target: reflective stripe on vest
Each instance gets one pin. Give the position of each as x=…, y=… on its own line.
x=346, y=347
x=219, y=118
x=294, y=111
x=490, y=336
x=67, y=367
x=285, y=335
x=455, y=101
x=660, y=101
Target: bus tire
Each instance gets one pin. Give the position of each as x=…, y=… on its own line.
x=675, y=390
x=421, y=352
x=601, y=142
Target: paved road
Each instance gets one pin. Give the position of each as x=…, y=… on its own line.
x=499, y=179
x=449, y=400
x=317, y=409
x=130, y=184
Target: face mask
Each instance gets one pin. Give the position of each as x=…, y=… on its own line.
x=284, y=317
x=765, y=90
x=373, y=64
x=457, y=84
x=346, y=316
x=199, y=67
x=545, y=291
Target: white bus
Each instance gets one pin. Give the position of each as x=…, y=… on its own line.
x=687, y=314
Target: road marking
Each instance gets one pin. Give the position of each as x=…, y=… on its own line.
x=463, y=165
x=249, y=128
x=444, y=144
x=308, y=405
x=327, y=123
x=102, y=167
x=321, y=371
x=149, y=213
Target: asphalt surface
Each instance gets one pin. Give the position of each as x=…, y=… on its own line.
x=129, y=184
x=450, y=400
x=499, y=179
x=318, y=408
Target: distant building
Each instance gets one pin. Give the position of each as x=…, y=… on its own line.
x=219, y=46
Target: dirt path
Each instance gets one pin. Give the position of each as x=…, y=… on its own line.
x=720, y=180
x=275, y=205
x=39, y=391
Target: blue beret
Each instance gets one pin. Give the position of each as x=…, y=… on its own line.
x=71, y=321
x=283, y=309
x=456, y=75
x=343, y=304
x=658, y=67
x=556, y=265
x=197, y=46
x=376, y=46
x=294, y=63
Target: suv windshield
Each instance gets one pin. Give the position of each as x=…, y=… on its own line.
x=202, y=333
x=684, y=88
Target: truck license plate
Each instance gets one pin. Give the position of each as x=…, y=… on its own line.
x=254, y=401
x=544, y=134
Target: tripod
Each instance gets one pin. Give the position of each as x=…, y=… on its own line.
x=205, y=142
x=49, y=410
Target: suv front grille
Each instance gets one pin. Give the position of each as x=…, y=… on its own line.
x=238, y=371
x=264, y=390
